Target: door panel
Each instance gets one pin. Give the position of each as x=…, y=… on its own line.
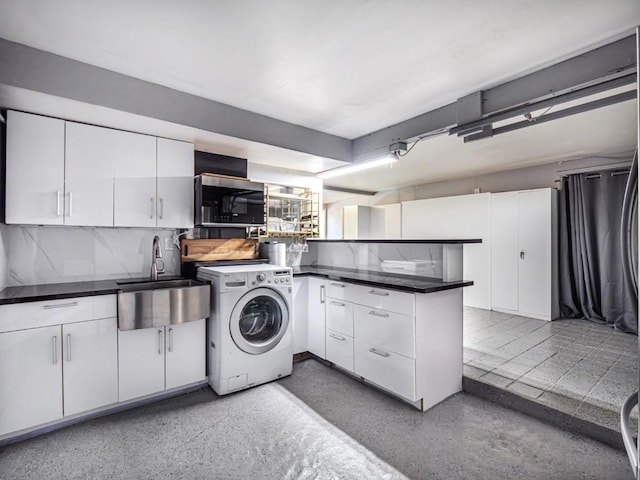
x=534, y=232
x=504, y=251
x=185, y=353
x=30, y=378
x=140, y=362
x=175, y=183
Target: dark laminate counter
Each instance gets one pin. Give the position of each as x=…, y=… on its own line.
x=57, y=291
x=405, y=283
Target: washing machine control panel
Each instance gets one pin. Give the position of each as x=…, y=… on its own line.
x=276, y=277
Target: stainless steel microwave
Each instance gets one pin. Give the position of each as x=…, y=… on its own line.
x=228, y=202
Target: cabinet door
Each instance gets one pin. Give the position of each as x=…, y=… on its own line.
x=175, y=164
x=504, y=251
x=140, y=362
x=35, y=169
x=30, y=378
x=316, y=325
x=185, y=351
x=300, y=313
x=89, y=170
x=90, y=359
x=135, y=180
x=534, y=232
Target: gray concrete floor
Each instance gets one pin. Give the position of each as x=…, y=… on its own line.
x=288, y=430
x=576, y=366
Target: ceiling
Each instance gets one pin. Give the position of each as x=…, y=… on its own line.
x=345, y=68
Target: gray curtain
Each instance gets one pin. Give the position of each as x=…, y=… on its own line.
x=592, y=282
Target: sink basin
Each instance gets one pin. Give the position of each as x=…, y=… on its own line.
x=163, y=302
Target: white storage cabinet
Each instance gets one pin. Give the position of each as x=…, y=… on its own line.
x=57, y=358
x=524, y=253
x=152, y=360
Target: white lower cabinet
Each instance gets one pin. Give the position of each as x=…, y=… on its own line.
x=316, y=316
x=339, y=348
x=90, y=365
x=387, y=369
x=30, y=378
x=143, y=353
x=185, y=354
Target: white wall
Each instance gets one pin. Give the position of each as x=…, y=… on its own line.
x=460, y=217
x=37, y=255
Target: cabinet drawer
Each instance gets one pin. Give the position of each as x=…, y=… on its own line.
x=20, y=316
x=388, y=330
x=387, y=369
x=340, y=290
x=383, y=299
x=340, y=316
x=340, y=349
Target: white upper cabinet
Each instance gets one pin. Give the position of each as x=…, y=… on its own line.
x=175, y=170
x=66, y=173
x=89, y=171
x=135, y=180
x=35, y=169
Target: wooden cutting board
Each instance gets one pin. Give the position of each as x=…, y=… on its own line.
x=209, y=250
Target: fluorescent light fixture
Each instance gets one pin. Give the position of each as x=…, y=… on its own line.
x=356, y=167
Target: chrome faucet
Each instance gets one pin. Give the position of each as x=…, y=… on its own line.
x=155, y=255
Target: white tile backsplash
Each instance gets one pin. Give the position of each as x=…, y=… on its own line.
x=36, y=254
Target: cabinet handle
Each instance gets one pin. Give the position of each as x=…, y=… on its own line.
x=151, y=207
x=171, y=339
x=341, y=285
x=375, y=351
x=58, y=203
x=61, y=305
x=339, y=304
x=54, y=341
x=71, y=204
x=522, y=254
x=337, y=337
x=380, y=294
x=376, y=314
x=321, y=293
x=159, y=342
x=68, y=347
x=161, y=214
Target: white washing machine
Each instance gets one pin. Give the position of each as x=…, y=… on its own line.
x=250, y=338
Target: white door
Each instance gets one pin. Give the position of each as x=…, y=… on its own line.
x=135, y=180
x=534, y=237
x=316, y=326
x=30, y=378
x=89, y=170
x=504, y=251
x=185, y=353
x=35, y=169
x=90, y=359
x=175, y=169
x=140, y=362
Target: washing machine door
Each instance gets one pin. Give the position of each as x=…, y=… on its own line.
x=259, y=321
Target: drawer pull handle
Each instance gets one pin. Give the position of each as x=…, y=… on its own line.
x=322, y=295
x=376, y=314
x=54, y=341
x=68, y=347
x=337, y=337
x=341, y=285
x=375, y=351
x=61, y=305
x=160, y=342
x=339, y=304
x=380, y=294
x=171, y=339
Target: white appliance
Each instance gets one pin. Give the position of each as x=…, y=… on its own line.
x=250, y=338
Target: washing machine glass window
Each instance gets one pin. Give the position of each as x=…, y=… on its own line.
x=259, y=321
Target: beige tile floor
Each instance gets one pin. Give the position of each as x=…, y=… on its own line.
x=579, y=367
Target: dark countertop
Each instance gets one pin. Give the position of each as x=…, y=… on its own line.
x=405, y=283
x=322, y=240
x=58, y=291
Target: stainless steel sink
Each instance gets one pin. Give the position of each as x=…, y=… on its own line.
x=162, y=302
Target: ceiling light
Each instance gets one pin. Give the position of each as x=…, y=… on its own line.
x=356, y=167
